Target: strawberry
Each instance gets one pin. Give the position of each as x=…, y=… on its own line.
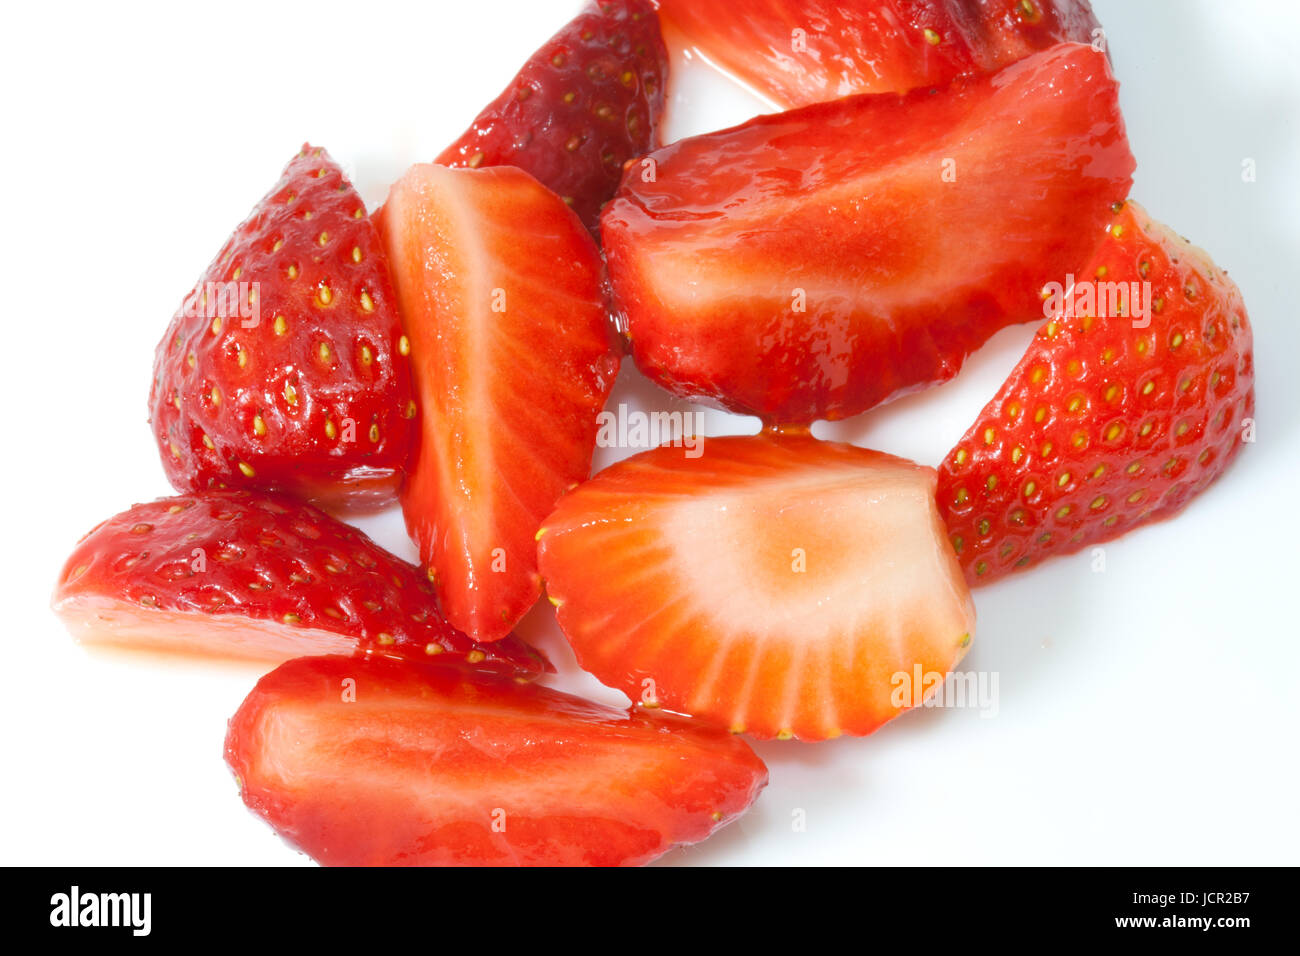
x=362, y=763
x=797, y=52
x=242, y=574
x=285, y=369
x=1119, y=413
x=775, y=585
x=585, y=103
x=500, y=286
x=814, y=263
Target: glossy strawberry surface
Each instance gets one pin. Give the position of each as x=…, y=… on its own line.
x=585, y=103
x=815, y=263
x=381, y=763
x=243, y=574
x=514, y=356
x=285, y=367
x=773, y=585
x=1123, y=409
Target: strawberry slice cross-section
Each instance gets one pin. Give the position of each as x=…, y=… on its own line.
x=797, y=52
x=513, y=356
x=385, y=763
x=773, y=585
x=815, y=263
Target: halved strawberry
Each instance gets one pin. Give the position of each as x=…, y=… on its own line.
x=814, y=263
x=242, y=574
x=1121, y=411
x=585, y=103
x=285, y=368
x=797, y=52
x=500, y=288
x=776, y=585
x=383, y=763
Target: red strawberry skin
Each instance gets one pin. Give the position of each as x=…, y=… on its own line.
x=243, y=574
x=513, y=354
x=815, y=263
x=1104, y=426
x=584, y=104
x=775, y=585
x=308, y=391
x=430, y=767
x=868, y=46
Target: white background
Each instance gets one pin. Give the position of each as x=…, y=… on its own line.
x=1147, y=714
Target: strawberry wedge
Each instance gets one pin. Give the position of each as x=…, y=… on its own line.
x=797, y=52
x=585, y=103
x=1132, y=399
x=500, y=289
x=285, y=368
x=381, y=763
x=815, y=263
x=238, y=574
x=776, y=586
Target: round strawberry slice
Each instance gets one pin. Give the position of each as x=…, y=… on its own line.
x=775, y=585
x=381, y=763
x=1133, y=398
x=239, y=574
x=285, y=368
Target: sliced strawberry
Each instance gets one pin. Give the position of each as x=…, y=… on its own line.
x=797, y=52
x=1120, y=412
x=775, y=585
x=285, y=368
x=585, y=103
x=500, y=286
x=814, y=263
x=365, y=763
x=241, y=574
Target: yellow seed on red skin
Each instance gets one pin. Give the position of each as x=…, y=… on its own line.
x=367, y=303
x=324, y=295
x=475, y=657
x=404, y=345
x=356, y=253
x=281, y=325
x=259, y=426
x=432, y=649
x=247, y=469
x=293, y=271
x=208, y=442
